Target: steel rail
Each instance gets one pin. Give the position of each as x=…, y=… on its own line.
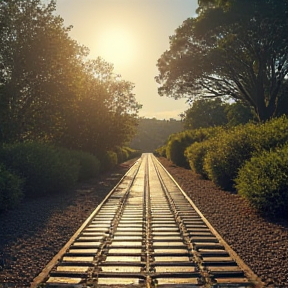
x=147, y=233
x=40, y=279
x=253, y=279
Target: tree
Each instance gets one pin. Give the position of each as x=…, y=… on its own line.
x=40, y=67
x=237, y=113
x=105, y=115
x=236, y=49
x=205, y=113
x=50, y=92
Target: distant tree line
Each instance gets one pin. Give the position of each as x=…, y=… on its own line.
x=49, y=90
x=206, y=113
x=152, y=133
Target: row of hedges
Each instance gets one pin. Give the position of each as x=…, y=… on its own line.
x=178, y=142
x=33, y=169
x=247, y=158
x=263, y=180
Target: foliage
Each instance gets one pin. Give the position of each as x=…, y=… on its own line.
x=177, y=143
x=175, y=151
x=40, y=66
x=264, y=182
x=205, y=113
x=10, y=189
x=104, y=117
x=214, y=112
x=126, y=153
x=89, y=165
x=108, y=161
x=161, y=151
x=50, y=92
x=232, y=48
x=237, y=114
x=132, y=153
x=46, y=169
x=122, y=154
x=230, y=149
x=152, y=133
x=195, y=154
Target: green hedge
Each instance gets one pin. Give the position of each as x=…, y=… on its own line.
x=125, y=153
x=228, y=152
x=89, y=165
x=177, y=143
x=264, y=182
x=195, y=154
x=175, y=152
x=161, y=151
x=45, y=168
x=122, y=154
x=230, y=149
x=108, y=161
x=132, y=153
x=10, y=189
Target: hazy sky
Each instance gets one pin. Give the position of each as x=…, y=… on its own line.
x=132, y=35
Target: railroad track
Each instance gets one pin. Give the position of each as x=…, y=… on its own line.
x=146, y=233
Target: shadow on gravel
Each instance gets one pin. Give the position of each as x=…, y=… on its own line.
x=33, y=225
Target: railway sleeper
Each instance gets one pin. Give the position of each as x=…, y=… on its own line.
x=147, y=233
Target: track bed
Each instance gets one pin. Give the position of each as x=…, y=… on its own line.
x=146, y=233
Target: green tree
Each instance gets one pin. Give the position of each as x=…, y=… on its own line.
x=205, y=113
x=48, y=90
x=233, y=48
x=105, y=115
x=39, y=65
x=237, y=113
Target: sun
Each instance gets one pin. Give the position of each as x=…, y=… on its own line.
x=116, y=46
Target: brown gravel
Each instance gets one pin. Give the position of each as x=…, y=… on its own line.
x=262, y=244
x=31, y=235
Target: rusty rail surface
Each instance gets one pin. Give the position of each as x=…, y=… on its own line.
x=146, y=233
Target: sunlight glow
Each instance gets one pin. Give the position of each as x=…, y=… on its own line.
x=116, y=46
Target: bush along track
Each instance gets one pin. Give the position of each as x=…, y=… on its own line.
x=227, y=155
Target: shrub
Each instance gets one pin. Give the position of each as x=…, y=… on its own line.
x=132, y=153
x=45, y=168
x=108, y=161
x=10, y=189
x=125, y=153
x=175, y=152
x=274, y=133
x=177, y=143
x=264, y=182
x=89, y=165
x=161, y=151
x=233, y=147
x=229, y=151
x=122, y=154
x=195, y=154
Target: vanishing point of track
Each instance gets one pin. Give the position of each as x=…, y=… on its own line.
x=146, y=233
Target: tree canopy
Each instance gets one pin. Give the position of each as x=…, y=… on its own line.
x=50, y=92
x=206, y=113
x=236, y=49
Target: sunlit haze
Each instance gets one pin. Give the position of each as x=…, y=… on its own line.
x=132, y=35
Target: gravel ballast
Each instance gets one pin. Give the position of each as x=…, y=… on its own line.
x=32, y=234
